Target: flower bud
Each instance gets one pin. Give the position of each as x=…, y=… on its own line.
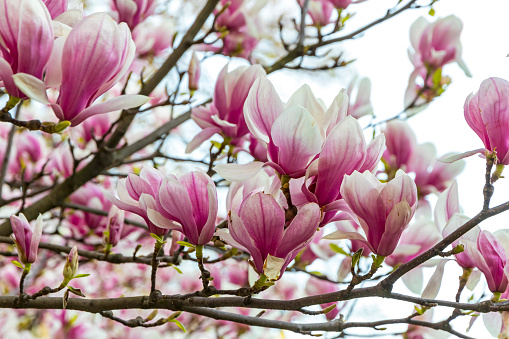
x=25, y=238
x=194, y=73
x=114, y=227
x=71, y=265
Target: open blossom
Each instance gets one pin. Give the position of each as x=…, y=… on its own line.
x=136, y=194
x=25, y=238
x=259, y=229
x=84, y=65
x=384, y=210
x=132, y=12
x=343, y=152
x=403, y=152
x=490, y=258
x=361, y=106
x=191, y=201
x=225, y=115
x=26, y=41
x=151, y=39
x=436, y=44
x=294, y=133
x=487, y=114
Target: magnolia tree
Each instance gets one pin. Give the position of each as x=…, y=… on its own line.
x=263, y=212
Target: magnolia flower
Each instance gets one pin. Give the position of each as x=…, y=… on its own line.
x=138, y=194
x=343, y=152
x=153, y=38
x=487, y=114
x=84, y=65
x=225, y=115
x=341, y=4
x=26, y=41
x=361, y=106
x=320, y=12
x=490, y=258
x=133, y=12
x=436, y=44
x=259, y=229
x=25, y=238
x=384, y=210
x=114, y=226
x=190, y=200
x=294, y=133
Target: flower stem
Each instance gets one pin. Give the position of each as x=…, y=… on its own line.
x=155, y=263
x=26, y=270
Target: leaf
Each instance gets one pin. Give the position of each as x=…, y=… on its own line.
x=356, y=256
x=177, y=269
x=179, y=324
x=157, y=238
x=185, y=244
x=431, y=12
x=76, y=291
x=338, y=249
x=81, y=276
x=17, y=263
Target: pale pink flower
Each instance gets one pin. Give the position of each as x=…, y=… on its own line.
x=133, y=12
x=361, y=106
x=84, y=65
x=320, y=12
x=25, y=238
x=384, y=210
x=191, y=201
x=225, y=115
x=259, y=229
x=26, y=41
x=152, y=39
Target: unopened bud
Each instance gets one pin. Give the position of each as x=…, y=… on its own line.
x=194, y=73
x=71, y=265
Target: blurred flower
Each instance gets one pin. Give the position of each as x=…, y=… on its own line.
x=193, y=73
x=362, y=104
x=151, y=39
x=71, y=264
x=133, y=12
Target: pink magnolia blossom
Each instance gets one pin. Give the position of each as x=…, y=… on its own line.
x=190, y=200
x=384, y=210
x=343, y=152
x=114, y=226
x=436, y=44
x=84, y=65
x=133, y=12
x=320, y=12
x=361, y=106
x=490, y=258
x=71, y=264
x=56, y=7
x=239, y=44
x=259, y=229
x=26, y=41
x=194, y=73
x=152, y=39
x=487, y=114
x=92, y=128
x=91, y=195
x=138, y=194
x=225, y=115
x=419, y=237
x=403, y=152
x=233, y=17
x=25, y=238
x=294, y=133
x=341, y=4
